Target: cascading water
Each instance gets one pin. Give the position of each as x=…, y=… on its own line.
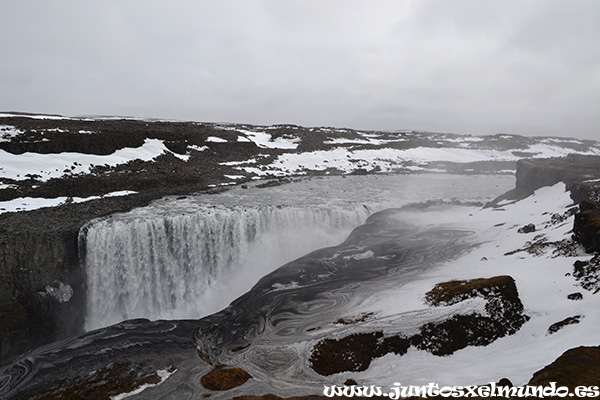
x=187, y=258
x=188, y=266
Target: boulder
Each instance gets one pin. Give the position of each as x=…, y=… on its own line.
x=225, y=378
x=576, y=367
x=350, y=353
x=561, y=324
x=527, y=228
x=504, y=315
x=575, y=296
x=504, y=310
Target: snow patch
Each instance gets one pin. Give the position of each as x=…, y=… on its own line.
x=7, y=132
x=33, y=203
x=215, y=139
x=163, y=374
x=47, y=166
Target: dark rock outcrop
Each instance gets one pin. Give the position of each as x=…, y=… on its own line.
x=587, y=273
x=504, y=311
x=575, y=367
x=354, y=352
x=526, y=228
x=561, y=324
x=41, y=289
x=575, y=296
x=503, y=316
x=533, y=174
x=586, y=228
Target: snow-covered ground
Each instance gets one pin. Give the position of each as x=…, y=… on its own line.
x=46, y=166
x=33, y=203
x=543, y=283
x=385, y=159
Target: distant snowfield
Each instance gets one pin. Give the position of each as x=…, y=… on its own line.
x=263, y=139
x=543, y=283
x=342, y=151
x=34, y=203
x=46, y=166
x=388, y=159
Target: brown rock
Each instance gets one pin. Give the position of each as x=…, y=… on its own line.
x=576, y=367
x=351, y=353
x=452, y=292
x=225, y=378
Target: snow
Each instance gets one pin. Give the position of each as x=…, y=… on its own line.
x=548, y=150
x=33, y=203
x=235, y=163
x=369, y=138
x=198, y=148
x=163, y=374
x=215, y=139
x=543, y=283
x=388, y=159
x=49, y=166
x=7, y=132
x=33, y=116
x=463, y=139
x=562, y=140
x=264, y=139
x=348, y=141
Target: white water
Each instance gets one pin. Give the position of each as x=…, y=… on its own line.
x=187, y=258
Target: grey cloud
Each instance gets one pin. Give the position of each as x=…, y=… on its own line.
x=464, y=66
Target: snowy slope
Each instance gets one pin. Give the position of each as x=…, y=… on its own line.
x=543, y=282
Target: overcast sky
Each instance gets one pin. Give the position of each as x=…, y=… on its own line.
x=529, y=67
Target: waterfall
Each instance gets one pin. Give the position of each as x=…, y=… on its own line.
x=190, y=257
x=191, y=264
